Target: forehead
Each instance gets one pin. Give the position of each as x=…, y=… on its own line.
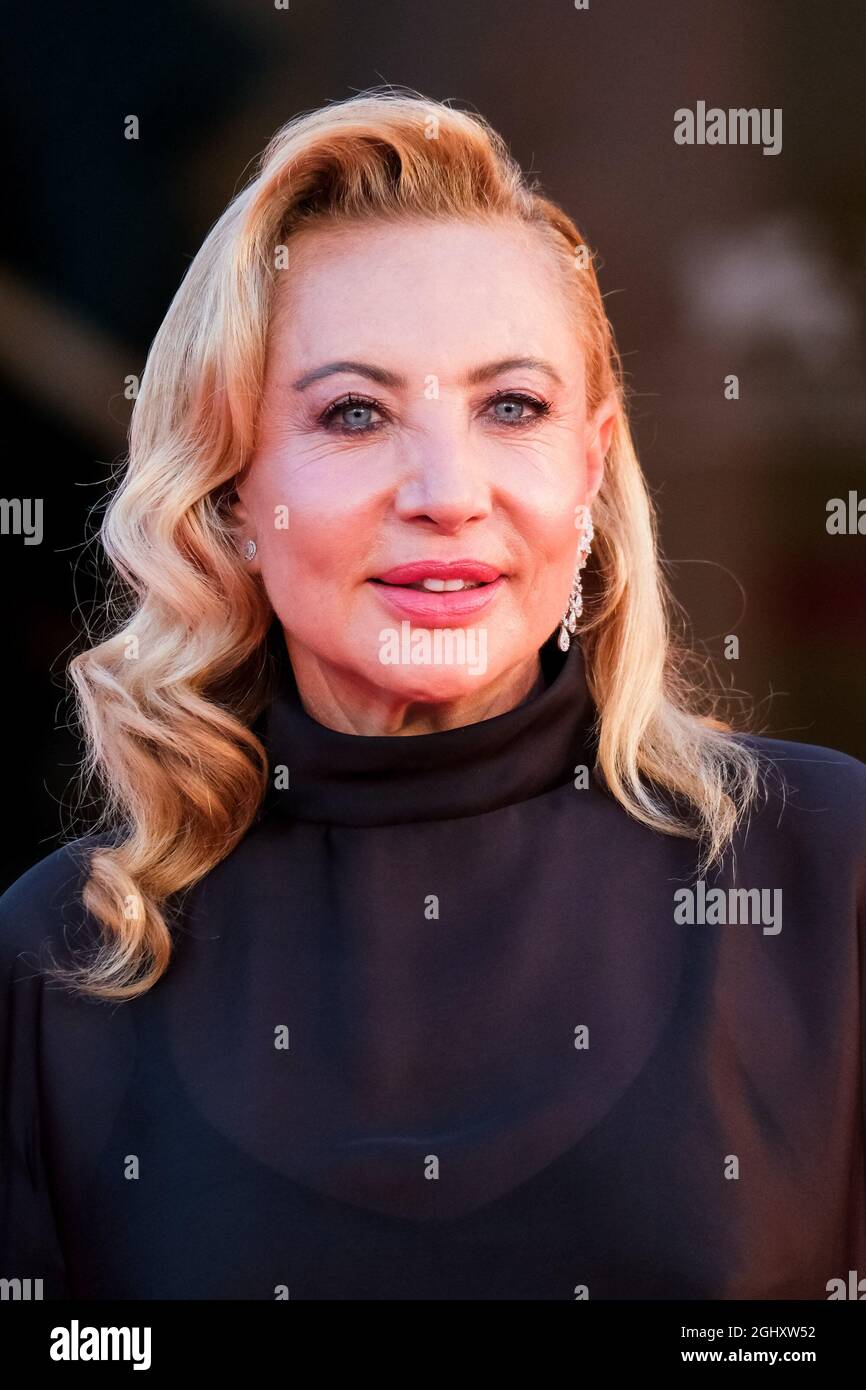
x=455, y=290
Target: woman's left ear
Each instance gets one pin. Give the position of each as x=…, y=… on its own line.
x=599, y=430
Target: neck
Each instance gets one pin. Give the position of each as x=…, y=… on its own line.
x=341, y=700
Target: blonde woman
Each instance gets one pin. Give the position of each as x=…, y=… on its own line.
x=438, y=941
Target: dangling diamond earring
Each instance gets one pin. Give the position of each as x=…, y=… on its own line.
x=575, y=598
x=250, y=549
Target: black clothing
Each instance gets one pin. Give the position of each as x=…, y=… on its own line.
x=434, y=1030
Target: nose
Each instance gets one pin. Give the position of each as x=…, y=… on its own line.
x=446, y=483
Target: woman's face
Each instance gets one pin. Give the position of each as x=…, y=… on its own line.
x=423, y=407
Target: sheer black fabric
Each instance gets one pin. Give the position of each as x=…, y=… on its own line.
x=435, y=1030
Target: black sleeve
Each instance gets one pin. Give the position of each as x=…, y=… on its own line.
x=30, y=1244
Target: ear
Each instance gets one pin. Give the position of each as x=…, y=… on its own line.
x=240, y=511
x=243, y=526
x=599, y=433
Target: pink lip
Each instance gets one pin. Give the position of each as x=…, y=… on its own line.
x=440, y=569
x=436, y=609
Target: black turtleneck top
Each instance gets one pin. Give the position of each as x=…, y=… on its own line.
x=440, y=1028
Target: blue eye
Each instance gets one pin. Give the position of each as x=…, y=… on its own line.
x=518, y=398
x=349, y=415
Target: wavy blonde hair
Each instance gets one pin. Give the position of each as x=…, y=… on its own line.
x=167, y=698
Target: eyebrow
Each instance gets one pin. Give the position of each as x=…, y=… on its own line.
x=385, y=378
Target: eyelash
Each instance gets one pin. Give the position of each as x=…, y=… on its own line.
x=541, y=407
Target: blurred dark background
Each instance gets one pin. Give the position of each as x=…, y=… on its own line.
x=715, y=260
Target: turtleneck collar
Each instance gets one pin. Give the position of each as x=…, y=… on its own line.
x=360, y=780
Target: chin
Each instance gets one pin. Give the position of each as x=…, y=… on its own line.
x=433, y=663
x=434, y=685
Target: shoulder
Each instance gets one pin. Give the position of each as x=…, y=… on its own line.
x=42, y=907
x=811, y=769
x=813, y=794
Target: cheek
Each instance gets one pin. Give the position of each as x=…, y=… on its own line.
x=545, y=516
x=312, y=519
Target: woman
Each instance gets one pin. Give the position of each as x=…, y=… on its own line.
x=435, y=944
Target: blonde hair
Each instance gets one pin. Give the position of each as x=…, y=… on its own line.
x=167, y=699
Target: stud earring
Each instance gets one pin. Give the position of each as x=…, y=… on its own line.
x=250, y=548
x=568, y=625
